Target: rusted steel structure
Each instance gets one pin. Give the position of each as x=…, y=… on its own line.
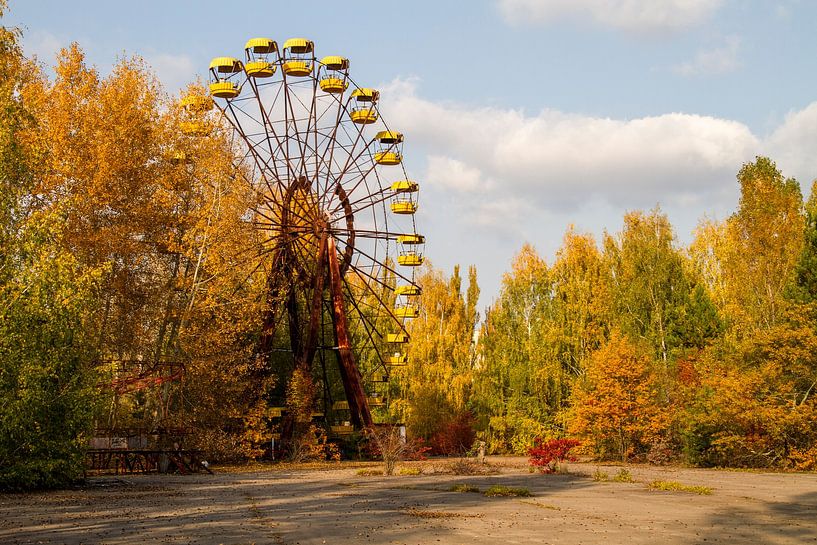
x=335, y=211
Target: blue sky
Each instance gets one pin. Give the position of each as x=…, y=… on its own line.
x=521, y=116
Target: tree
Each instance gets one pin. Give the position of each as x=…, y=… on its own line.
x=616, y=407
x=804, y=288
x=46, y=384
x=749, y=260
x=436, y=385
x=519, y=381
x=655, y=298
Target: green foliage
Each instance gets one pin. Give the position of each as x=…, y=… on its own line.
x=804, y=287
x=47, y=384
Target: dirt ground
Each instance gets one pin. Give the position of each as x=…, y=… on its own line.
x=286, y=505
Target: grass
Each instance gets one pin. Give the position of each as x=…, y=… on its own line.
x=463, y=488
x=675, y=486
x=623, y=476
x=366, y=472
x=600, y=476
x=542, y=505
x=507, y=491
x=409, y=470
x=440, y=514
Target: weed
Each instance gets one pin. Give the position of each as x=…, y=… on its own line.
x=675, y=486
x=463, y=488
x=409, y=471
x=365, y=472
x=542, y=505
x=623, y=476
x=507, y=491
x=600, y=476
x=440, y=514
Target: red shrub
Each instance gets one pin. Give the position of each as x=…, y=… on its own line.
x=455, y=436
x=547, y=455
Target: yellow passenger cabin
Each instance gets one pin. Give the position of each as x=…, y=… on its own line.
x=405, y=186
x=342, y=430
x=298, y=57
x=364, y=105
x=388, y=148
x=409, y=290
x=333, y=79
x=376, y=401
x=397, y=338
x=340, y=406
x=410, y=258
x=411, y=239
x=223, y=81
x=406, y=311
x=397, y=359
x=257, y=52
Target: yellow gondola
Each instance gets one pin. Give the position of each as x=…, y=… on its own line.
x=397, y=338
x=222, y=69
x=376, y=401
x=411, y=239
x=334, y=79
x=408, y=290
x=406, y=311
x=410, y=259
x=397, y=359
x=364, y=111
x=404, y=207
x=405, y=186
x=298, y=57
x=256, y=51
x=388, y=143
x=342, y=430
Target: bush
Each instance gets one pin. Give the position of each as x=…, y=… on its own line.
x=456, y=436
x=548, y=455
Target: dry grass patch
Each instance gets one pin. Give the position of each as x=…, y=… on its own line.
x=675, y=486
x=541, y=505
x=442, y=514
x=498, y=490
x=463, y=487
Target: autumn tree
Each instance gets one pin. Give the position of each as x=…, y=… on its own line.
x=616, y=406
x=748, y=261
x=436, y=385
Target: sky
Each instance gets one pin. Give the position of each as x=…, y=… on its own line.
x=521, y=117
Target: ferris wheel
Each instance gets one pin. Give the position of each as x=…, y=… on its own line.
x=335, y=213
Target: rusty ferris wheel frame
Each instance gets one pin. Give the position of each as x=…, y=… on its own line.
x=334, y=206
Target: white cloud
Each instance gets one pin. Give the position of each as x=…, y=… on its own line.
x=793, y=143
x=556, y=161
x=448, y=172
x=628, y=15
x=43, y=45
x=174, y=71
x=720, y=60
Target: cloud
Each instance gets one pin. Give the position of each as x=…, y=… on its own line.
x=43, y=45
x=638, y=16
x=720, y=60
x=555, y=162
x=174, y=71
x=793, y=143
